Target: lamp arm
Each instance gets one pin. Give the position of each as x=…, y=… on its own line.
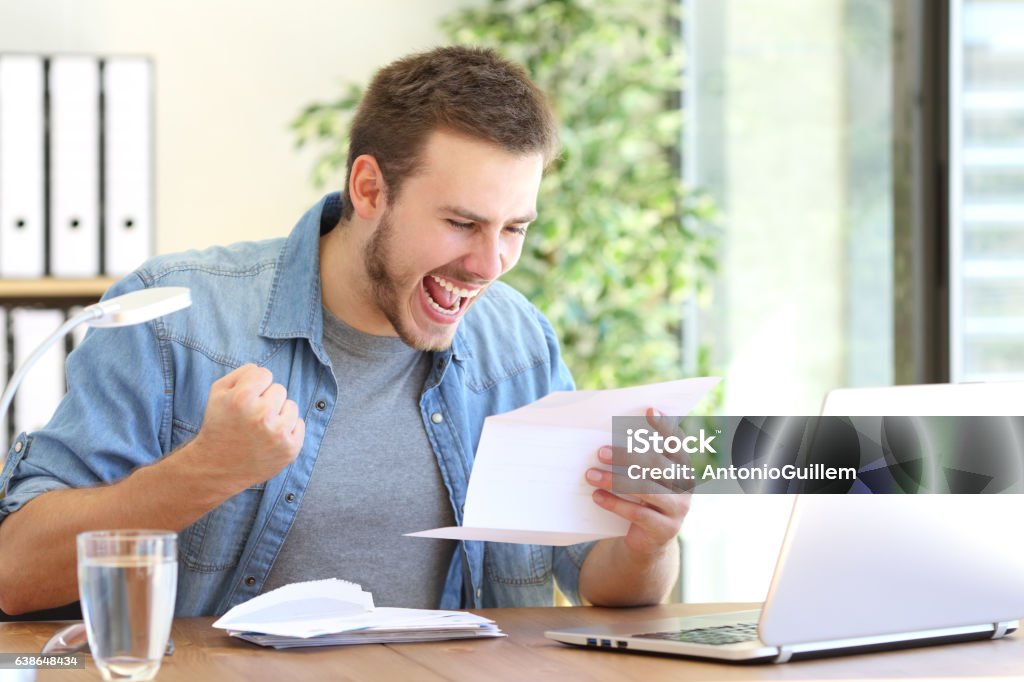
x=91, y=313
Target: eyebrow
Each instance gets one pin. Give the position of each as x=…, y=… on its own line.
x=477, y=218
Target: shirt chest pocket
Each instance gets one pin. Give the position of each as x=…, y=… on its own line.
x=215, y=542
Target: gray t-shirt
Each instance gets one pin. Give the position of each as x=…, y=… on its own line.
x=375, y=478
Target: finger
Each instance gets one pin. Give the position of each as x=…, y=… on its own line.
x=649, y=518
x=668, y=428
x=229, y=380
x=665, y=426
x=252, y=379
x=653, y=416
x=620, y=460
x=274, y=398
x=609, y=480
x=299, y=432
x=289, y=415
x=600, y=478
x=651, y=471
x=655, y=490
x=675, y=505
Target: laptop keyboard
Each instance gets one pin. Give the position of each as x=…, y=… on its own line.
x=719, y=634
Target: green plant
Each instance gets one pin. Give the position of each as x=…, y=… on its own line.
x=618, y=244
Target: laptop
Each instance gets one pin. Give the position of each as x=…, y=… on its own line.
x=859, y=573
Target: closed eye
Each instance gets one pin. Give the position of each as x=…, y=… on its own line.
x=460, y=225
x=519, y=230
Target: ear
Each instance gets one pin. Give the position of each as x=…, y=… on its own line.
x=366, y=187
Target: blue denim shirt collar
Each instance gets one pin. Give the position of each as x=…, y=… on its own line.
x=295, y=309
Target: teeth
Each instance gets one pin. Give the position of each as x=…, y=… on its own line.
x=462, y=293
x=449, y=311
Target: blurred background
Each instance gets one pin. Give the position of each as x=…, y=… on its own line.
x=795, y=195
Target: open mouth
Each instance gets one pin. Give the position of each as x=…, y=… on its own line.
x=444, y=297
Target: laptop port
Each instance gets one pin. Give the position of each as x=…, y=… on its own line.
x=591, y=641
x=606, y=642
x=621, y=644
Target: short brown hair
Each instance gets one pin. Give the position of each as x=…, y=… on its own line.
x=467, y=89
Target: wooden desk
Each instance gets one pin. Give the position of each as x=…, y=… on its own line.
x=204, y=653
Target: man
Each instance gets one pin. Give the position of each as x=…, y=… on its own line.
x=325, y=392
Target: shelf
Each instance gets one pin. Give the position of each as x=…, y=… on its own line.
x=53, y=292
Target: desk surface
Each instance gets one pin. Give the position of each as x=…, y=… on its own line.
x=204, y=653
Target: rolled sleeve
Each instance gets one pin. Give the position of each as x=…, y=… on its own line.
x=20, y=482
x=567, y=564
x=105, y=426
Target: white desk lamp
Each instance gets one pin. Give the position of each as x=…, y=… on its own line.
x=132, y=308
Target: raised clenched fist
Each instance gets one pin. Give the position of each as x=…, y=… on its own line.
x=251, y=430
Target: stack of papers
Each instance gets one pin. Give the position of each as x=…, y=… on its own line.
x=327, y=612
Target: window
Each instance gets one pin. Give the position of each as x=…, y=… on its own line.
x=789, y=110
x=986, y=109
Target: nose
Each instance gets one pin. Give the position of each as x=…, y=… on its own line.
x=487, y=259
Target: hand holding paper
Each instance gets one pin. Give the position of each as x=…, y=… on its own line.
x=654, y=517
x=528, y=483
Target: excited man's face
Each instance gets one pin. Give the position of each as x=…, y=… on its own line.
x=457, y=225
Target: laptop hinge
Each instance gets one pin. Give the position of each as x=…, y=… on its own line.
x=785, y=653
x=1000, y=629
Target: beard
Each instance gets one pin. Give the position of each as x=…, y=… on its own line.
x=384, y=289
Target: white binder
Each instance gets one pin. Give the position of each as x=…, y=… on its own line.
x=22, y=173
x=43, y=387
x=74, y=166
x=5, y=375
x=128, y=146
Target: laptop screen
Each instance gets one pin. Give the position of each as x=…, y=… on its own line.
x=864, y=565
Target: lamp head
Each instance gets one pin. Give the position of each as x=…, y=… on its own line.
x=139, y=306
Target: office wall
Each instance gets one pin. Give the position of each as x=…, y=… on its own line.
x=230, y=75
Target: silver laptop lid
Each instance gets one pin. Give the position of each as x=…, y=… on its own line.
x=863, y=565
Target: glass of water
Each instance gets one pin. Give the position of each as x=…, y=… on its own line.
x=127, y=581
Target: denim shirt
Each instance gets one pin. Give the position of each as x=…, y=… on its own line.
x=137, y=393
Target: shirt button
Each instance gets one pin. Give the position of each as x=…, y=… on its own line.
x=479, y=593
x=250, y=581
x=321, y=405
x=290, y=497
x=437, y=418
x=18, y=446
